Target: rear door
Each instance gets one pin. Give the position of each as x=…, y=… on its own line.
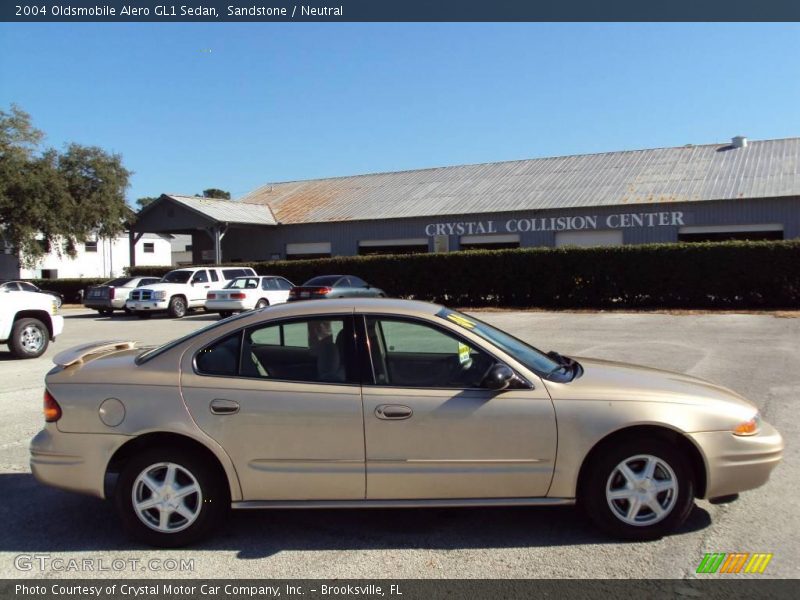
x=432, y=431
x=284, y=400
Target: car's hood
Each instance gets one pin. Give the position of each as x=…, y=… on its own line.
x=159, y=286
x=613, y=381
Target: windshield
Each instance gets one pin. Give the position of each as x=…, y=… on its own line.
x=534, y=359
x=243, y=283
x=176, y=277
x=119, y=282
x=323, y=281
x=153, y=352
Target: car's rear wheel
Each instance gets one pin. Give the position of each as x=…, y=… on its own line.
x=177, y=307
x=638, y=489
x=262, y=303
x=29, y=338
x=224, y=314
x=170, y=498
x=106, y=312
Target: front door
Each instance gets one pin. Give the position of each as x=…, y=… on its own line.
x=283, y=400
x=432, y=431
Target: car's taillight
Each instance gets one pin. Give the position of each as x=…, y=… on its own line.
x=52, y=411
x=210, y=296
x=111, y=293
x=238, y=296
x=321, y=291
x=293, y=292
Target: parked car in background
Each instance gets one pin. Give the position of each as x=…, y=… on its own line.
x=248, y=293
x=28, y=321
x=27, y=286
x=334, y=286
x=181, y=290
x=370, y=402
x=113, y=294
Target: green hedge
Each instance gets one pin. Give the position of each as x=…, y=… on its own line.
x=68, y=288
x=684, y=275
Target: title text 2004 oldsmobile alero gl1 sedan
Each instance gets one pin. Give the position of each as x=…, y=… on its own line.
x=390, y=403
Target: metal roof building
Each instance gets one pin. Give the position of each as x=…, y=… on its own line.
x=740, y=189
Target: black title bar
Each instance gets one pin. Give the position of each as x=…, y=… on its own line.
x=397, y=10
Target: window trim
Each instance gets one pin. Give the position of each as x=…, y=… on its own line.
x=345, y=317
x=369, y=366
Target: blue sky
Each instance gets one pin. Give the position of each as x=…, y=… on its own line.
x=234, y=106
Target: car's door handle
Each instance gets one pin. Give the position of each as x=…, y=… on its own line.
x=220, y=406
x=393, y=412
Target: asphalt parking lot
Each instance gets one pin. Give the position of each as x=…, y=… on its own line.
x=757, y=355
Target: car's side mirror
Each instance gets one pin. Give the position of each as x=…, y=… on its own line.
x=498, y=378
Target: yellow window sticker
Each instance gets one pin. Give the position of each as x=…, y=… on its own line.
x=463, y=353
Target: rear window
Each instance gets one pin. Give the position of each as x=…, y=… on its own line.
x=119, y=282
x=234, y=273
x=322, y=280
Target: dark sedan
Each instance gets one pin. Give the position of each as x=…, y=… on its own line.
x=334, y=286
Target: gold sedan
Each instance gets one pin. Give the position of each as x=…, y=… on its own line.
x=386, y=403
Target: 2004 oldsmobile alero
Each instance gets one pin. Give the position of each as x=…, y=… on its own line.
x=386, y=403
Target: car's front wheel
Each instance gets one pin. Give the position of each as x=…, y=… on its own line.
x=177, y=307
x=170, y=498
x=29, y=338
x=639, y=489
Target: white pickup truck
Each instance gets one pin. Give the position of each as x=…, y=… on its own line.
x=28, y=322
x=181, y=290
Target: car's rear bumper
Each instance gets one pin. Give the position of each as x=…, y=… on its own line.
x=738, y=463
x=218, y=305
x=70, y=461
x=98, y=303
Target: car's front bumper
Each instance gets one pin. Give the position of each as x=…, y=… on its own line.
x=738, y=463
x=147, y=305
x=71, y=461
x=57, y=324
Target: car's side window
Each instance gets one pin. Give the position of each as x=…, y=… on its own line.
x=408, y=353
x=213, y=274
x=221, y=357
x=200, y=277
x=318, y=349
x=284, y=284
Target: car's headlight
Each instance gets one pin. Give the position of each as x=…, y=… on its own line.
x=159, y=295
x=750, y=427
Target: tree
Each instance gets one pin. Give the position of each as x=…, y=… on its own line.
x=55, y=199
x=216, y=193
x=145, y=201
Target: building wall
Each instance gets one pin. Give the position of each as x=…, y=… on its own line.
x=269, y=242
x=110, y=259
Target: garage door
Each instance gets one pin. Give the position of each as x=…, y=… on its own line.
x=605, y=237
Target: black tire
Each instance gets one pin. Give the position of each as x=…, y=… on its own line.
x=262, y=303
x=106, y=312
x=128, y=312
x=144, y=315
x=29, y=338
x=224, y=314
x=210, y=505
x=177, y=307
x=598, y=474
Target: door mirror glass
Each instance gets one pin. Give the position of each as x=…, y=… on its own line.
x=498, y=378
